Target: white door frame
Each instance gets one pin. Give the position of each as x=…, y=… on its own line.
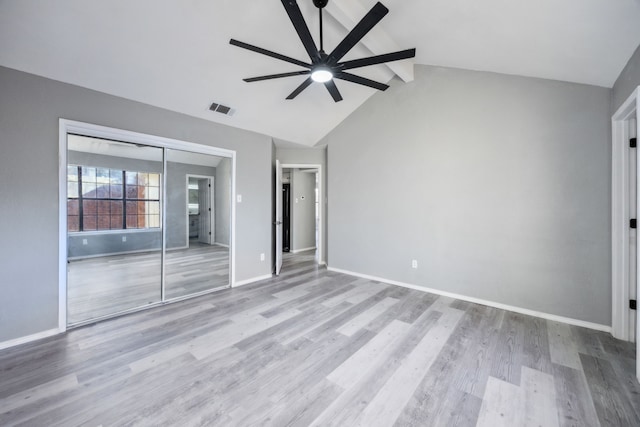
x=321, y=196
x=278, y=218
x=70, y=126
x=212, y=204
x=620, y=196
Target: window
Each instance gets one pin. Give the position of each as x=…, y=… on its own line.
x=111, y=199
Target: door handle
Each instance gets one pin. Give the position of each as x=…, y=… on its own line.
x=278, y=223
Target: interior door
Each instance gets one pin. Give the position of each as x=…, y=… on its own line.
x=278, y=223
x=204, y=211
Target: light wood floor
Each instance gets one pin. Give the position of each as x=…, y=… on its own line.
x=319, y=348
x=106, y=285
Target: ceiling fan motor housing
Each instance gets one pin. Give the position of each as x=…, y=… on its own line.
x=320, y=3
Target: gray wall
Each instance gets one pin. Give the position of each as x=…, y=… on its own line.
x=223, y=201
x=303, y=210
x=499, y=186
x=30, y=107
x=177, y=200
x=627, y=82
x=101, y=243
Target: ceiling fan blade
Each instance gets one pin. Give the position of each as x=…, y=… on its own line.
x=291, y=6
x=333, y=90
x=300, y=88
x=377, y=12
x=268, y=53
x=276, y=76
x=378, y=59
x=361, y=81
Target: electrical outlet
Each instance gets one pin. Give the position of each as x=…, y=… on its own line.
x=124, y=238
x=84, y=242
x=414, y=263
x=261, y=257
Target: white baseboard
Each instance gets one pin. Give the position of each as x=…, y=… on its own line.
x=547, y=316
x=29, y=338
x=302, y=250
x=221, y=244
x=253, y=279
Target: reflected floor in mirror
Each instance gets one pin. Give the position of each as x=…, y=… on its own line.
x=107, y=285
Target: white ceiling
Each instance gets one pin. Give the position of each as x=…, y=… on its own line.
x=175, y=54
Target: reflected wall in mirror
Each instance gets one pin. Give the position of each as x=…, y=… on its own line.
x=198, y=209
x=114, y=233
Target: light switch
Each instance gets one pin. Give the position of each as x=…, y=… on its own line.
x=239, y=198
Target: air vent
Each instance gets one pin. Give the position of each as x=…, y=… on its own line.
x=222, y=109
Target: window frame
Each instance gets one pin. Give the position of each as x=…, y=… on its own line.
x=123, y=200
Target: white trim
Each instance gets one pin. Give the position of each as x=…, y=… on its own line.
x=62, y=226
x=29, y=338
x=221, y=244
x=321, y=196
x=252, y=280
x=302, y=250
x=232, y=241
x=553, y=317
x=92, y=130
x=620, y=153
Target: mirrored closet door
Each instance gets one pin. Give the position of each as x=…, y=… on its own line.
x=198, y=206
x=145, y=225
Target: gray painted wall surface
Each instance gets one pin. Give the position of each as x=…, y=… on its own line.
x=177, y=236
x=499, y=186
x=303, y=210
x=99, y=160
x=627, y=82
x=106, y=243
x=30, y=107
x=305, y=155
x=223, y=201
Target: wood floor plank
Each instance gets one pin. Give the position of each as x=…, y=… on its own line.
x=573, y=398
x=563, y=349
x=363, y=319
x=501, y=405
x=612, y=405
x=538, y=398
x=392, y=398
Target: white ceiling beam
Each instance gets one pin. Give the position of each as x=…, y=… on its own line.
x=349, y=13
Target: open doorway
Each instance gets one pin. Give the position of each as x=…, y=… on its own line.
x=200, y=210
x=299, y=212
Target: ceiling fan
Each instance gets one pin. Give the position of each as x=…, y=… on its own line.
x=324, y=68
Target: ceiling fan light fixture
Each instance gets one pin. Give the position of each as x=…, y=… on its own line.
x=321, y=75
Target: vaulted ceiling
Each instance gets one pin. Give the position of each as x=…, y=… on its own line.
x=175, y=54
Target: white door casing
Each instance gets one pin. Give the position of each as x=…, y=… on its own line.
x=205, y=211
x=624, y=125
x=278, y=218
